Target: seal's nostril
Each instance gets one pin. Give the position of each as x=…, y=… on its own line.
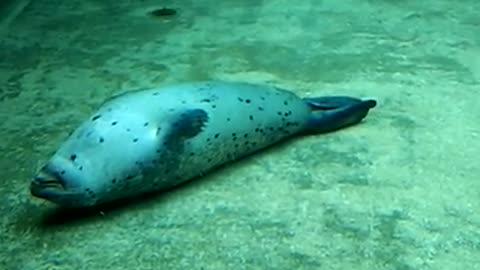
x=47, y=179
x=38, y=180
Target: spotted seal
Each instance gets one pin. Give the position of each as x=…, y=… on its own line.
x=153, y=139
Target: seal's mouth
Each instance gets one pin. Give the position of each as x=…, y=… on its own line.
x=46, y=183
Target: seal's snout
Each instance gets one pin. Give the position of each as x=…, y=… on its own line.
x=45, y=182
x=46, y=178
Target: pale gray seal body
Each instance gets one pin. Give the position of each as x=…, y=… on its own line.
x=154, y=139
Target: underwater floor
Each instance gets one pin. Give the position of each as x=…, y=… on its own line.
x=400, y=191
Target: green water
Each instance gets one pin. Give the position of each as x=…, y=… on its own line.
x=399, y=191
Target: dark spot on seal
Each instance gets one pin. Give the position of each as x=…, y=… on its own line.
x=260, y=108
x=214, y=106
x=240, y=99
x=234, y=134
x=236, y=145
x=129, y=177
x=96, y=117
x=286, y=114
x=80, y=168
x=114, y=123
x=192, y=154
x=216, y=135
x=145, y=124
x=89, y=134
x=270, y=128
x=163, y=12
x=279, y=113
x=205, y=100
x=251, y=117
x=114, y=180
x=262, y=98
x=155, y=93
x=183, y=102
x=62, y=172
x=135, y=140
x=128, y=130
x=247, y=100
x=245, y=135
x=228, y=119
x=209, y=160
x=257, y=129
x=101, y=140
x=285, y=103
x=73, y=157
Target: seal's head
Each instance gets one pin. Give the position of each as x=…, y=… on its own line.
x=102, y=160
x=60, y=182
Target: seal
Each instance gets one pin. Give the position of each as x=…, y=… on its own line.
x=153, y=139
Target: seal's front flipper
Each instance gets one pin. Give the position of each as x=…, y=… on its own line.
x=189, y=123
x=176, y=131
x=185, y=125
x=339, y=112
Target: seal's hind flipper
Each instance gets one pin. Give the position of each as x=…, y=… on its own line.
x=330, y=102
x=339, y=112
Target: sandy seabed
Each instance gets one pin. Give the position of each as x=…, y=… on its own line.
x=399, y=191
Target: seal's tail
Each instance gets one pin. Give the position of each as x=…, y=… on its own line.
x=331, y=113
